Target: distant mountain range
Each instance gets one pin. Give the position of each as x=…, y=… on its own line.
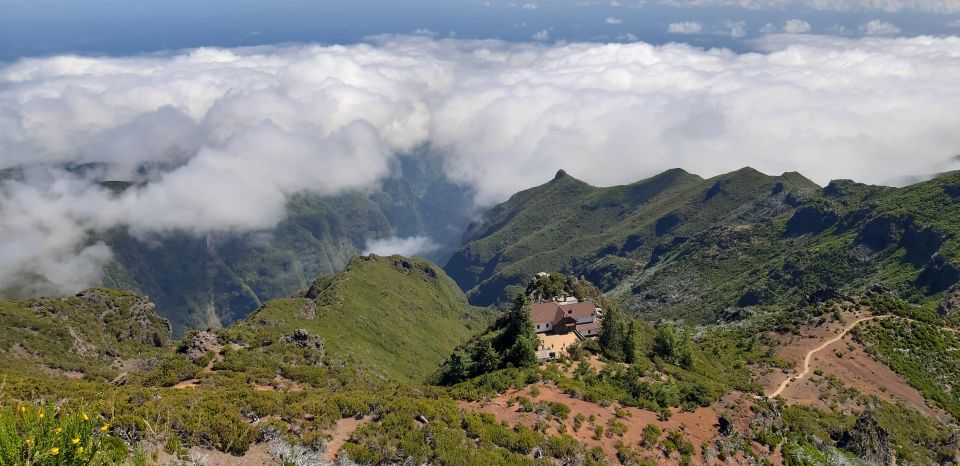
x=680, y=246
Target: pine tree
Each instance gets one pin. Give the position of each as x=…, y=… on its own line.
x=674, y=346
x=456, y=370
x=485, y=358
x=613, y=332
x=522, y=338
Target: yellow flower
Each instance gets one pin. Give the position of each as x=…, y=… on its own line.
x=41, y=414
x=105, y=427
x=23, y=409
x=59, y=430
x=80, y=450
x=85, y=417
x=29, y=441
x=75, y=441
x=54, y=451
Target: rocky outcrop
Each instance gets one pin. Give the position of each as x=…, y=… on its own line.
x=313, y=346
x=200, y=344
x=868, y=440
x=303, y=339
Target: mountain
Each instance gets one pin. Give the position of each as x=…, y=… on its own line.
x=677, y=245
x=96, y=334
x=210, y=280
x=401, y=316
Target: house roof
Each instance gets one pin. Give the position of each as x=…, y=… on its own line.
x=579, y=310
x=589, y=328
x=545, y=312
x=551, y=312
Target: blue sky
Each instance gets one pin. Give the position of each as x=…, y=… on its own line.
x=111, y=27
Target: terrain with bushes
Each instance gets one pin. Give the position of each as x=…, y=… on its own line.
x=748, y=319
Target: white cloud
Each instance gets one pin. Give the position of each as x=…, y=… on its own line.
x=685, y=27
x=219, y=138
x=768, y=28
x=529, y=6
x=878, y=28
x=541, y=35
x=411, y=246
x=736, y=28
x=891, y=6
x=612, y=20
x=796, y=26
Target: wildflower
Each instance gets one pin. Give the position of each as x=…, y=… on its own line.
x=54, y=451
x=23, y=409
x=29, y=441
x=85, y=417
x=80, y=450
x=59, y=429
x=75, y=441
x=105, y=427
x=41, y=414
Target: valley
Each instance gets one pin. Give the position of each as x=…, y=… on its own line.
x=744, y=319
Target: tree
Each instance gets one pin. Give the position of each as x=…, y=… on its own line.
x=674, y=346
x=613, y=333
x=520, y=336
x=455, y=370
x=631, y=343
x=485, y=358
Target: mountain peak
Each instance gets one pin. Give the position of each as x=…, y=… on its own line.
x=561, y=173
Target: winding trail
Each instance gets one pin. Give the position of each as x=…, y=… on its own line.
x=824, y=345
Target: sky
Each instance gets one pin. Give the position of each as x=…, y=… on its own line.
x=219, y=111
x=120, y=27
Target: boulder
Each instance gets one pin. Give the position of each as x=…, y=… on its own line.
x=200, y=344
x=868, y=440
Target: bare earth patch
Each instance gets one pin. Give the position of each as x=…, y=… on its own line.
x=341, y=434
x=846, y=361
x=698, y=427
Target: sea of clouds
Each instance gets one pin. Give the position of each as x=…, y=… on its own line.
x=217, y=139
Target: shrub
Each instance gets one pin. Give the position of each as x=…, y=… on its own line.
x=45, y=435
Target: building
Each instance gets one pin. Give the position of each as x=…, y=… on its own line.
x=561, y=324
x=562, y=318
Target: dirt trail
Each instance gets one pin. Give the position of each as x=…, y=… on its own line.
x=806, y=359
x=342, y=433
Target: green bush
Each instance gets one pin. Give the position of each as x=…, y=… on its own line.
x=45, y=435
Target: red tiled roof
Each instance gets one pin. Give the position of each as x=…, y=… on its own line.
x=579, y=310
x=593, y=328
x=545, y=312
x=551, y=312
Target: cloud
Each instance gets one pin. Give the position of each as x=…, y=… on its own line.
x=218, y=139
x=612, y=20
x=529, y=6
x=891, y=6
x=541, y=35
x=735, y=28
x=685, y=27
x=954, y=24
x=796, y=26
x=768, y=28
x=878, y=28
x=411, y=246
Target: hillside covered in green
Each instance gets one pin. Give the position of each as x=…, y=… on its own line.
x=401, y=316
x=677, y=245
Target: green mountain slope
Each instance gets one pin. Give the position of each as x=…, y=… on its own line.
x=95, y=334
x=210, y=280
x=676, y=245
x=401, y=316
